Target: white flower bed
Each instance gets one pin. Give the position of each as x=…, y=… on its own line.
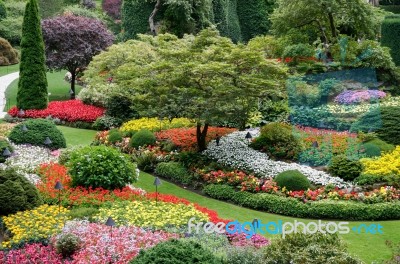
x=234, y=151
x=25, y=159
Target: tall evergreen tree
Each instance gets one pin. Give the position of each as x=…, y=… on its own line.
x=32, y=84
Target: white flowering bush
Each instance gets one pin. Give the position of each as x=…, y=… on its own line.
x=25, y=159
x=233, y=151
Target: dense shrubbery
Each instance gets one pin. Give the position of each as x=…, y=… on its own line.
x=8, y=55
x=308, y=248
x=174, y=171
x=371, y=150
x=278, y=140
x=100, y=166
x=177, y=252
x=292, y=180
x=142, y=138
x=325, y=209
x=16, y=193
x=38, y=130
x=390, y=130
x=382, y=145
x=341, y=166
x=391, y=36
x=112, y=8
x=3, y=145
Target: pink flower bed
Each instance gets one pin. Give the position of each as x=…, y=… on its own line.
x=99, y=247
x=70, y=111
x=30, y=254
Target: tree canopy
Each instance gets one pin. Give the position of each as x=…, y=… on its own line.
x=327, y=18
x=72, y=41
x=205, y=77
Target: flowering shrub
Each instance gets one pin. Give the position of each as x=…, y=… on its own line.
x=240, y=240
x=150, y=214
x=70, y=111
x=154, y=124
x=185, y=138
x=118, y=245
x=39, y=223
x=234, y=152
x=32, y=253
x=359, y=96
x=387, y=164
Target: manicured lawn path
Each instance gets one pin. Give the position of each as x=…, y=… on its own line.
x=76, y=136
x=4, y=70
x=57, y=87
x=367, y=247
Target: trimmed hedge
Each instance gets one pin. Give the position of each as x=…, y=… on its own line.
x=288, y=206
x=391, y=36
x=38, y=130
x=174, y=171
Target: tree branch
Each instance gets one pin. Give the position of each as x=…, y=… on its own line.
x=152, y=16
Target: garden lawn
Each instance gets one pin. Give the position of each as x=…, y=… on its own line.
x=76, y=136
x=367, y=247
x=57, y=87
x=4, y=70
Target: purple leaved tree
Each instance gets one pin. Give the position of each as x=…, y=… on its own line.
x=71, y=42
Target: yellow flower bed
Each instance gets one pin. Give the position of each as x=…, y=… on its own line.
x=154, y=124
x=148, y=214
x=387, y=164
x=39, y=223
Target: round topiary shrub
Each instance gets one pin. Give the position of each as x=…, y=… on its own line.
x=293, y=180
x=278, y=140
x=67, y=245
x=100, y=166
x=382, y=145
x=16, y=193
x=371, y=150
x=37, y=131
x=345, y=168
x=176, y=252
x=142, y=138
x=3, y=145
x=8, y=55
x=114, y=136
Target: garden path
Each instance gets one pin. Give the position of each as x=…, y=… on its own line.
x=5, y=81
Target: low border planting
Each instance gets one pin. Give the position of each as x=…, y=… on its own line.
x=271, y=203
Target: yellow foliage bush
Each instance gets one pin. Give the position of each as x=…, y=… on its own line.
x=154, y=124
x=387, y=164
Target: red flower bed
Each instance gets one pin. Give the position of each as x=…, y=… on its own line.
x=185, y=138
x=70, y=111
x=53, y=172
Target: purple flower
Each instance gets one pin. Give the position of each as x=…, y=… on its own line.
x=358, y=96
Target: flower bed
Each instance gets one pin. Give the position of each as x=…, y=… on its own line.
x=185, y=138
x=244, y=182
x=234, y=152
x=155, y=124
x=387, y=164
x=152, y=214
x=39, y=223
x=32, y=253
x=323, y=209
x=70, y=111
x=100, y=244
x=359, y=96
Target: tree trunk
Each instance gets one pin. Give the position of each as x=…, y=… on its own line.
x=73, y=78
x=332, y=25
x=201, y=136
x=152, y=16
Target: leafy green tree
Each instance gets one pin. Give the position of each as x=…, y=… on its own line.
x=327, y=18
x=32, y=84
x=206, y=78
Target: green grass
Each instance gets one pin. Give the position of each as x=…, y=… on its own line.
x=4, y=70
x=76, y=136
x=57, y=87
x=367, y=247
